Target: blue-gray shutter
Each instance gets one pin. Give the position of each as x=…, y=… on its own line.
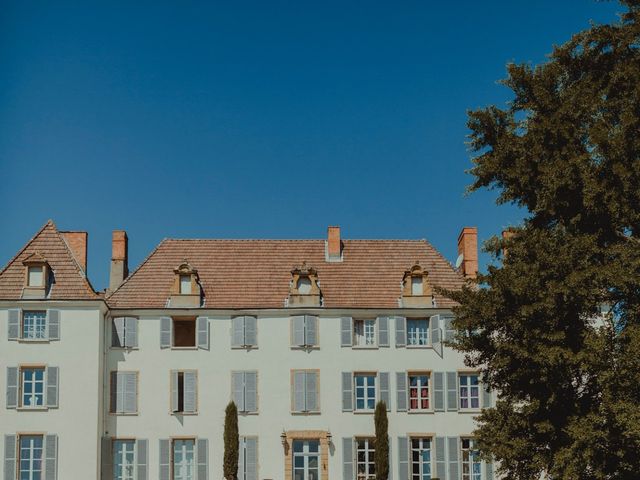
x=384, y=389
x=12, y=387
x=120, y=392
x=130, y=384
x=165, y=332
x=487, y=397
x=251, y=458
x=113, y=392
x=53, y=324
x=452, y=391
x=383, y=331
x=401, y=331
x=165, y=459
x=347, y=392
x=299, y=378
x=311, y=330
x=346, y=331
x=311, y=392
x=401, y=390
x=50, y=457
x=438, y=391
x=454, y=469
x=449, y=332
x=131, y=332
x=175, y=401
x=10, y=457
x=298, y=330
x=347, y=458
x=52, y=387
x=202, y=327
x=142, y=452
x=251, y=391
x=106, y=459
x=403, y=458
x=118, y=332
x=13, y=332
x=202, y=450
x=251, y=331
x=241, y=454
x=441, y=459
x=237, y=389
x=237, y=331
x=190, y=391
x=436, y=341
x=488, y=468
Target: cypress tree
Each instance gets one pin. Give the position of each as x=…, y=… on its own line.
x=381, y=442
x=231, y=442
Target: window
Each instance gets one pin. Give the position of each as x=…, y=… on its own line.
x=416, y=285
x=124, y=332
x=183, y=460
x=469, y=391
x=419, y=392
x=305, y=330
x=124, y=392
x=365, y=391
x=417, y=332
x=124, y=462
x=185, y=284
x=245, y=391
x=365, y=459
x=364, y=334
x=306, y=459
x=306, y=387
x=31, y=458
x=34, y=325
x=244, y=331
x=471, y=465
x=420, y=459
x=33, y=387
x=35, y=276
x=248, y=459
x=304, y=286
x=184, y=332
x=184, y=391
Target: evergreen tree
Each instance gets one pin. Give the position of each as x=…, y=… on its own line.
x=566, y=150
x=231, y=442
x=382, y=441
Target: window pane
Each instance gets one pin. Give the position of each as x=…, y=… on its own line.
x=35, y=277
x=416, y=285
x=185, y=284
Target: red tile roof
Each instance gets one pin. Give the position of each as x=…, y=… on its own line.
x=70, y=282
x=256, y=273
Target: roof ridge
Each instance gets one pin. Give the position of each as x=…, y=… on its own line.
x=293, y=240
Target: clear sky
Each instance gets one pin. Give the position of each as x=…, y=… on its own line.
x=256, y=119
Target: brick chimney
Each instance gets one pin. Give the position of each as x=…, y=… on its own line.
x=77, y=243
x=119, y=259
x=334, y=244
x=468, y=248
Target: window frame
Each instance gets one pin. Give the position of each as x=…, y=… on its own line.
x=114, y=441
x=21, y=382
x=366, y=387
x=180, y=374
x=193, y=456
x=427, y=335
x=355, y=335
x=292, y=380
x=184, y=319
x=112, y=408
x=468, y=397
x=473, y=458
x=369, y=463
x=419, y=397
x=31, y=459
x=42, y=274
x=45, y=328
x=421, y=440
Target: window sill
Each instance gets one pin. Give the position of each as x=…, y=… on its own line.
x=32, y=409
x=244, y=347
x=418, y=347
x=306, y=413
x=125, y=348
x=184, y=414
x=247, y=414
x=426, y=411
x=469, y=410
x=34, y=340
x=365, y=347
x=363, y=412
x=124, y=414
x=184, y=348
x=305, y=347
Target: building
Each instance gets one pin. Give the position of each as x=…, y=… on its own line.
x=304, y=335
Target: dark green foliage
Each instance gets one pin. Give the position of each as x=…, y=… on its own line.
x=567, y=149
x=382, y=441
x=231, y=442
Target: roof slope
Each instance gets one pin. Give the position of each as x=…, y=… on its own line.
x=70, y=281
x=256, y=273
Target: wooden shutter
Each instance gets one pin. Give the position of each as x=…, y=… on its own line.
x=118, y=332
x=298, y=391
x=130, y=397
x=251, y=331
x=237, y=387
x=452, y=391
x=52, y=387
x=202, y=326
x=13, y=378
x=383, y=331
x=251, y=455
x=106, y=459
x=452, y=447
x=298, y=330
x=384, y=389
x=165, y=332
x=50, y=457
x=175, y=401
x=13, y=332
x=438, y=391
x=190, y=391
x=237, y=331
x=487, y=397
x=165, y=459
x=10, y=456
x=142, y=454
x=251, y=391
x=310, y=330
x=346, y=331
x=347, y=392
x=311, y=403
x=401, y=391
x=403, y=458
x=441, y=459
x=53, y=324
x=202, y=456
x=401, y=331
x=347, y=458
x=131, y=332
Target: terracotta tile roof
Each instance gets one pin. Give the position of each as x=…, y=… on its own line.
x=256, y=273
x=70, y=279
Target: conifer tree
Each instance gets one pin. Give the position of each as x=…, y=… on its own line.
x=231, y=442
x=381, y=441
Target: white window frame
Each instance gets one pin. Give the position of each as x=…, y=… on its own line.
x=184, y=463
x=469, y=457
x=468, y=396
x=365, y=446
x=365, y=333
x=419, y=398
x=417, y=445
x=414, y=338
x=364, y=390
x=39, y=327
x=33, y=382
x=306, y=454
x=185, y=284
x=125, y=464
x=34, y=269
x=31, y=457
x=417, y=288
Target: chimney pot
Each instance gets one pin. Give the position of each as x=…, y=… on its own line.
x=334, y=244
x=119, y=259
x=468, y=247
x=78, y=242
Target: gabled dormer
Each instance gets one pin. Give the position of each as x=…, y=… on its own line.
x=36, y=276
x=416, y=288
x=304, y=289
x=185, y=291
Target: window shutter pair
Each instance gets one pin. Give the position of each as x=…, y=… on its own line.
x=305, y=391
x=347, y=390
x=401, y=331
x=305, y=330
x=201, y=460
x=142, y=458
x=202, y=332
x=245, y=391
x=51, y=387
x=248, y=458
x=124, y=392
x=244, y=331
x=124, y=333
x=49, y=456
x=52, y=324
x=451, y=391
x=189, y=391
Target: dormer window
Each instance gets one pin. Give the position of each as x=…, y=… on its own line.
x=416, y=289
x=186, y=291
x=416, y=286
x=304, y=289
x=36, y=276
x=185, y=284
x=304, y=286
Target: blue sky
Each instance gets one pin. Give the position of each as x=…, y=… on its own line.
x=256, y=119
